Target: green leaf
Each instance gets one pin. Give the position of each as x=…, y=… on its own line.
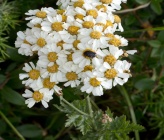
x=2, y=78
x=30, y=131
x=12, y=96
x=141, y=1
x=154, y=43
x=3, y=127
x=162, y=58
x=13, y=53
x=144, y=84
x=156, y=6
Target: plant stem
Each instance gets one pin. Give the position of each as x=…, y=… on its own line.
x=131, y=109
x=72, y=106
x=11, y=125
x=89, y=106
x=91, y=112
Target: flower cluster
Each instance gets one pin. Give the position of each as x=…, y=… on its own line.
x=75, y=45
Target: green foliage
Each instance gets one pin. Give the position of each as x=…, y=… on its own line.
x=8, y=16
x=96, y=126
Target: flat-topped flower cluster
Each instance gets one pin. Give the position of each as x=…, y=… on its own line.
x=75, y=45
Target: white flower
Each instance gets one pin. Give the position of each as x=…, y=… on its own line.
x=113, y=75
x=39, y=40
x=110, y=56
x=37, y=16
x=45, y=83
x=86, y=55
x=93, y=83
x=72, y=26
x=51, y=55
x=42, y=95
x=93, y=36
x=71, y=74
x=32, y=75
x=25, y=48
x=118, y=41
x=53, y=23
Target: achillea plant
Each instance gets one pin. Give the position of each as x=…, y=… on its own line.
x=77, y=46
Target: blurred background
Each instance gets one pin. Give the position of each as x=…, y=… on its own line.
x=143, y=22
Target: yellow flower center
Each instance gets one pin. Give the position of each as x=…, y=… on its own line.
x=106, y=1
x=71, y=76
x=69, y=57
x=37, y=96
x=53, y=69
x=26, y=42
x=75, y=43
x=110, y=73
x=78, y=4
x=102, y=7
x=117, y=19
x=88, y=68
x=101, y=24
x=60, y=11
x=34, y=74
x=41, y=14
x=41, y=42
x=60, y=43
x=73, y=30
x=57, y=26
x=79, y=16
x=108, y=23
x=110, y=59
x=92, y=13
x=64, y=18
x=48, y=84
x=95, y=35
x=88, y=24
x=109, y=35
x=94, y=82
x=114, y=41
x=52, y=56
x=37, y=25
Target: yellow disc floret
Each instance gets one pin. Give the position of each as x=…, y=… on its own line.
x=110, y=59
x=94, y=82
x=73, y=30
x=88, y=24
x=95, y=34
x=34, y=74
x=102, y=7
x=48, y=84
x=57, y=26
x=88, y=68
x=110, y=73
x=41, y=14
x=78, y=4
x=117, y=19
x=41, y=42
x=75, y=44
x=52, y=56
x=37, y=96
x=114, y=41
x=53, y=68
x=92, y=13
x=106, y=1
x=79, y=16
x=71, y=76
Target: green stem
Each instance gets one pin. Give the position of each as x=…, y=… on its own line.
x=10, y=124
x=72, y=106
x=131, y=109
x=89, y=106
